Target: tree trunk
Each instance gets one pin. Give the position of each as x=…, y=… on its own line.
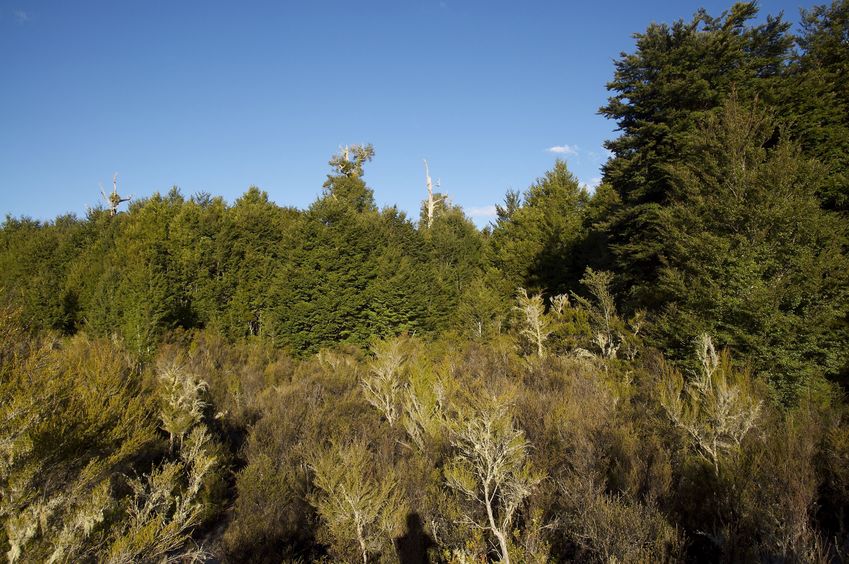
x=502, y=540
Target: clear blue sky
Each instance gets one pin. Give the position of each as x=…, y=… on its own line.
x=214, y=96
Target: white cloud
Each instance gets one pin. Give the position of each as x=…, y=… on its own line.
x=564, y=150
x=484, y=211
x=592, y=184
x=21, y=16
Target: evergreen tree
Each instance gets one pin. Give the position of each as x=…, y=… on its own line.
x=454, y=250
x=195, y=247
x=346, y=186
x=676, y=75
x=35, y=259
x=534, y=242
x=147, y=296
x=749, y=255
x=321, y=292
x=251, y=248
x=816, y=101
x=398, y=297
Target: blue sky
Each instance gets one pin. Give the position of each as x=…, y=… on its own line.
x=217, y=96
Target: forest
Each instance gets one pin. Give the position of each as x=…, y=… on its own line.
x=651, y=371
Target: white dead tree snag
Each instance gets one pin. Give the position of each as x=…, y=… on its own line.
x=431, y=201
x=114, y=200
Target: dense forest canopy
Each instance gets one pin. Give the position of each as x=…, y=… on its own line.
x=654, y=370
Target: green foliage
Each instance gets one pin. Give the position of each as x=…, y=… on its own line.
x=268, y=511
x=481, y=312
x=425, y=409
x=535, y=239
x=182, y=406
x=361, y=512
x=816, y=98
x=610, y=332
x=197, y=380
x=340, y=271
x=350, y=160
x=602, y=312
x=677, y=74
x=588, y=457
x=34, y=263
x=717, y=408
x=383, y=384
x=164, y=507
x=250, y=246
x=346, y=187
x=750, y=256
x=75, y=416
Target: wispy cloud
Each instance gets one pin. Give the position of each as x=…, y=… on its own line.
x=483, y=211
x=21, y=16
x=564, y=150
x=592, y=184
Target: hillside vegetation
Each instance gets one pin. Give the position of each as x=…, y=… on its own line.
x=651, y=371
